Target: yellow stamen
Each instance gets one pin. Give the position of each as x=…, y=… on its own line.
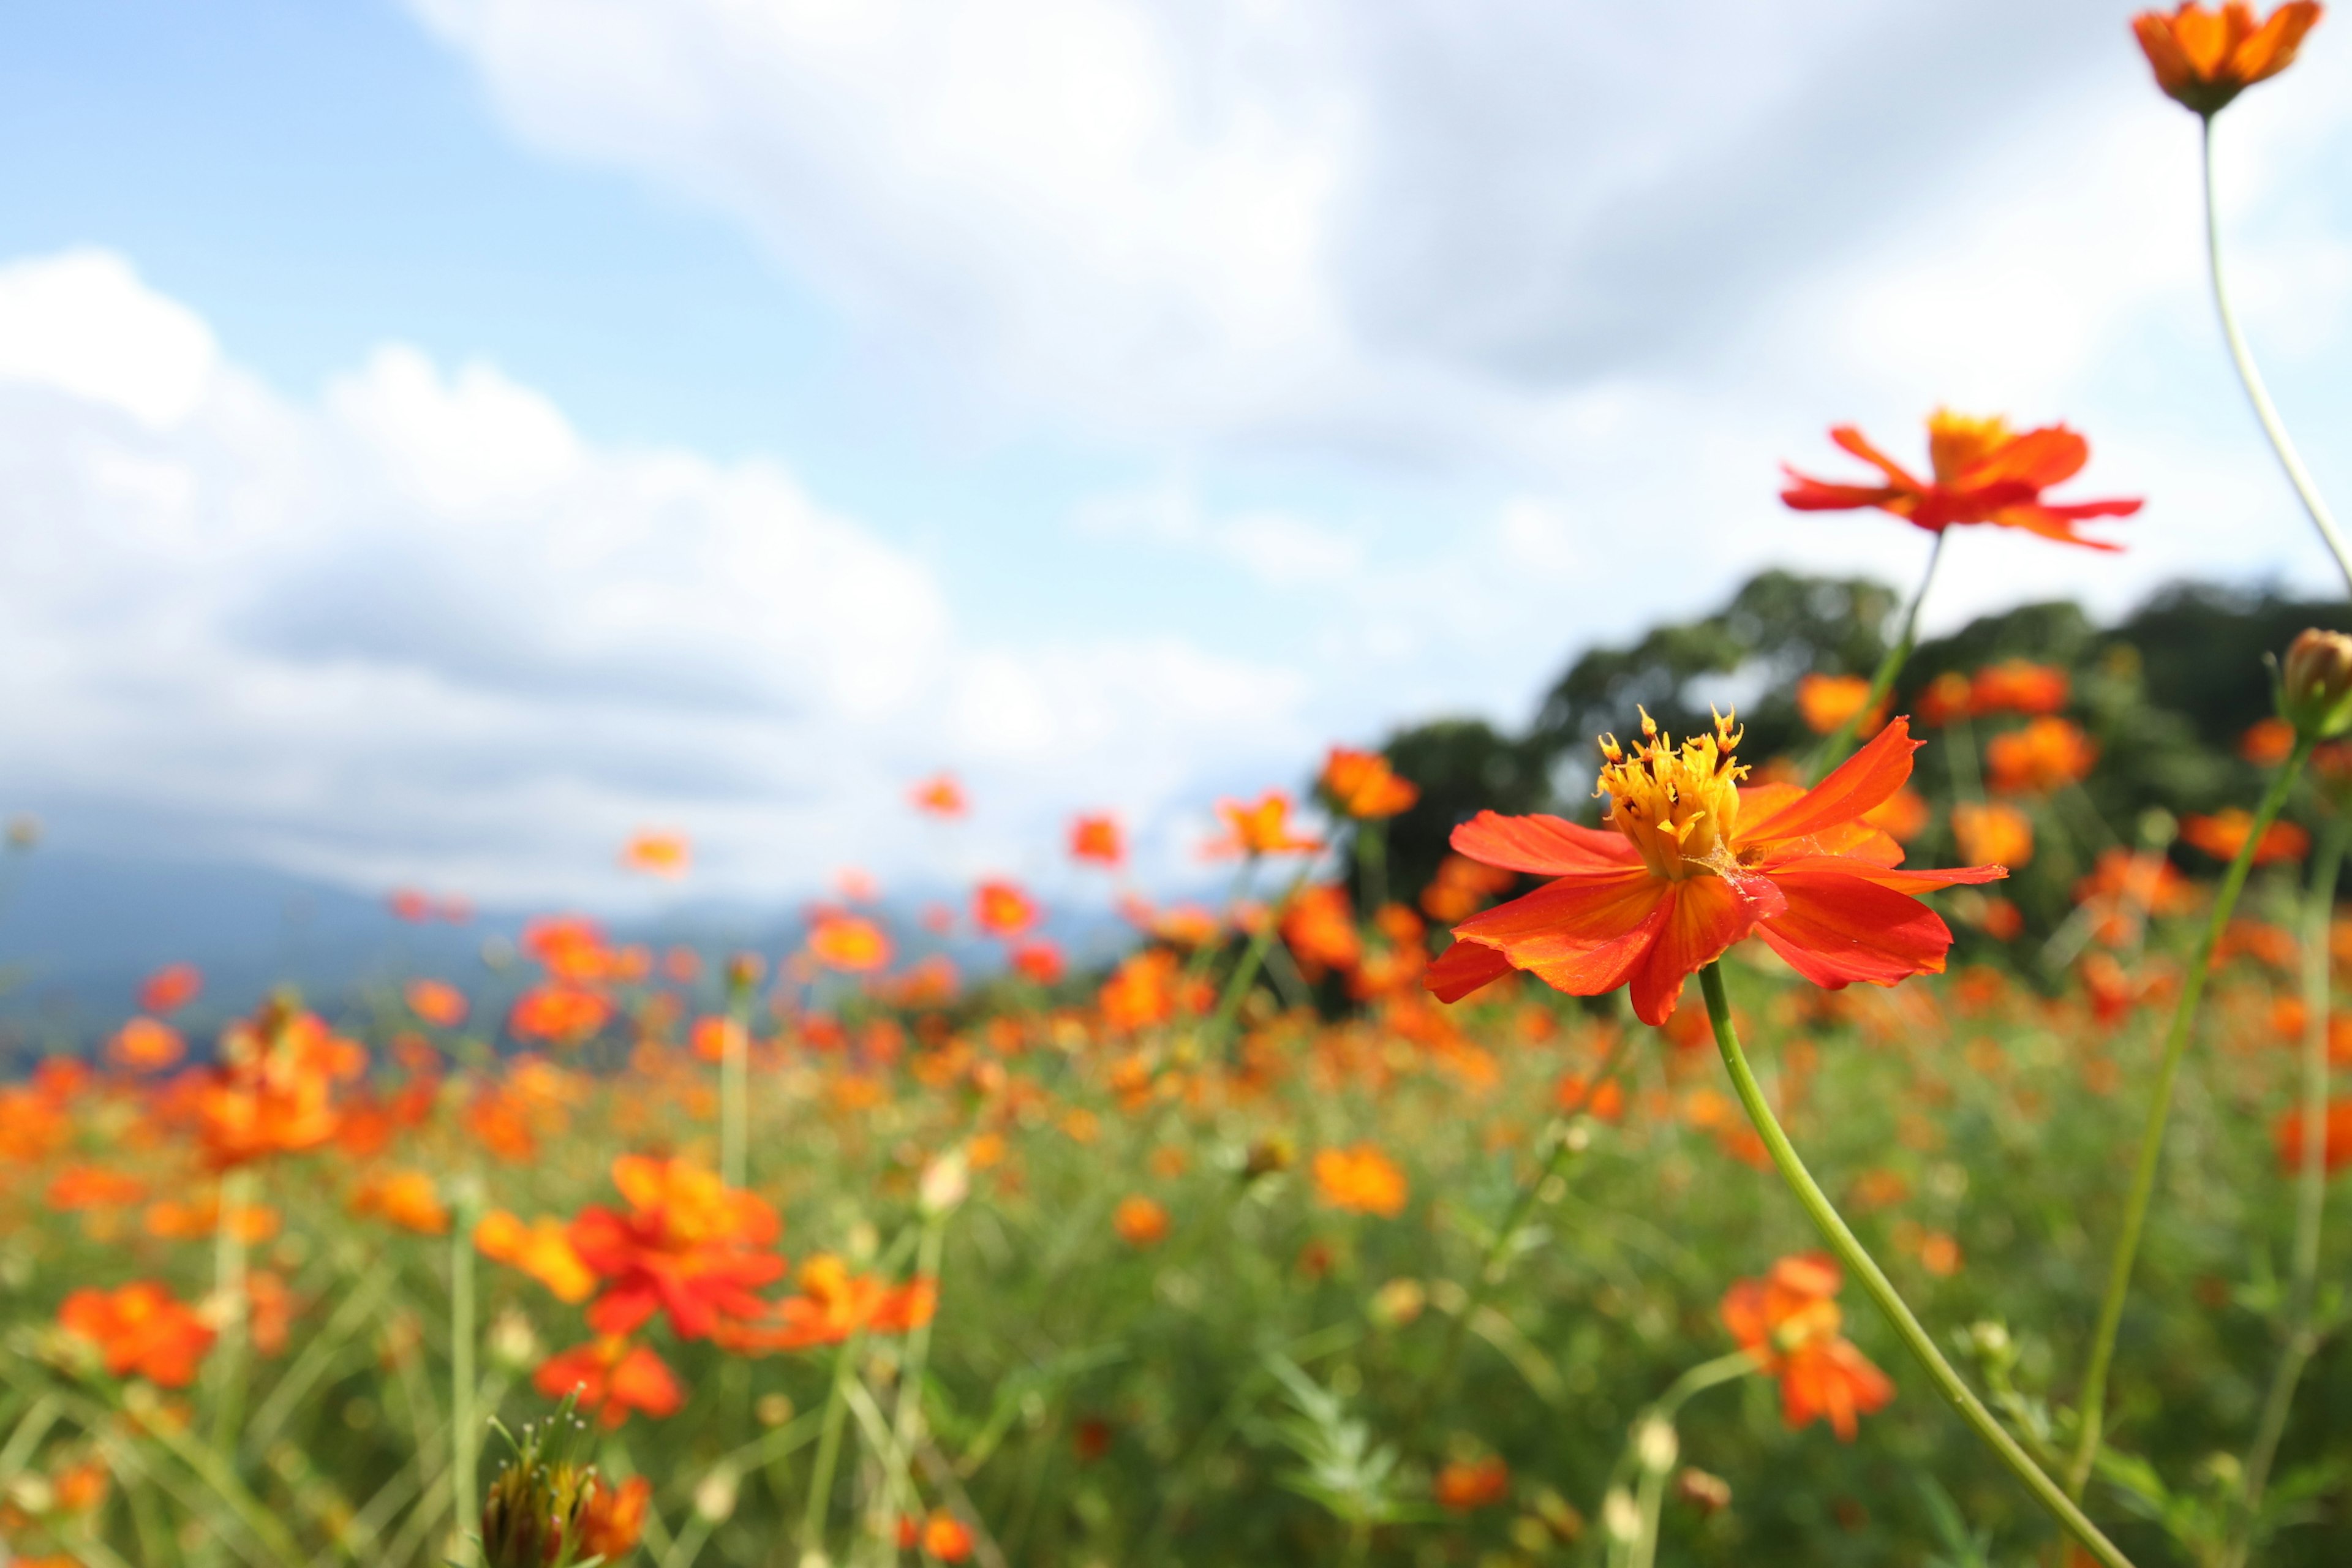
x=1957, y=442
x=1677, y=805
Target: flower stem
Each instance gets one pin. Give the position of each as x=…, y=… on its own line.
x=2256, y=393
x=2092, y=1404
x=1881, y=1290
x=1654, y=1454
x=2311, y=1188
x=828, y=1454
x=734, y=1141
x=1833, y=750
x=463, y=1438
x=1253, y=958
x=230, y=1279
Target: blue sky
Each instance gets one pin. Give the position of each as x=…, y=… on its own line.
x=438, y=437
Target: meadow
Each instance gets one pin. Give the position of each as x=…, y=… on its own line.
x=1896, y=1129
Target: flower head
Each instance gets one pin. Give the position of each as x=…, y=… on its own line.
x=1992, y=833
x=1788, y=1320
x=1361, y=1179
x=140, y=1329
x=688, y=1245
x=2203, y=58
x=171, y=988
x=2315, y=692
x=2223, y=834
x=940, y=795
x=2047, y=754
x=1260, y=827
x=1361, y=784
x=1466, y=1484
x=1096, y=838
x=1980, y=472
x=851, y=943
x=1696, y=863
x=657, y=854
x=613, y=1377
x=1826, y=701
x=1139, y=1221
x=1003, y=909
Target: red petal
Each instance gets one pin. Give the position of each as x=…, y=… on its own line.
x=1840, y=928
x=1852, y=440
x=1805, y=493
x=1922, y=880
x=2050, y=522
x=1465, y=967
x=1705, y=916
x=1581, y=935
x=1543, y=845
x=623, y=1309
x=2038, y=457
x=1859, y=782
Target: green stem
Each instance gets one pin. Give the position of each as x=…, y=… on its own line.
x=828, y=1452
x=734, y=1144
x=464, y=1439
x=1833, y=749
x=2256, y=393
x=2092, y=1404
x=1642, y=1551
x=1253, y=958
x=2310, y=1184
x=1372, y=837
x=229, y=1274
x=1881, y=1290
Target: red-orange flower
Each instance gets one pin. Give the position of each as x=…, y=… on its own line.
x=1463, y=887
x=1097, y=837
x=2047, y=754
x=1789, y=1319
x=613, y=1518
x=273, y=1091
x=1003, y=909
x=1142, y=991
x=613, y=1377
x=658, y=854
x=1992, y=833
x=1320, y=928
x=942, y=1535
x=2019, y=686
x=831, y=1305
x=689, y=1246
x=172, y=986
x=436, y=1002
x=1361, y=1179
x=1826, y=701
x=1696, y=864
x=1040, y=961
x=2287, y=1133
x=2223, y=834
x=572, y=947
x=141, y=1328
x=940, y=795
x=92, y=1187
x=1466, y=1484
x=2204, y=58
x=145, y=1045
x=1260, y=827
x=851, y=943
x=2267, y=743
x=559, y=1013
x=1983, y=472
x=1361, y=784
x=1139, y=1221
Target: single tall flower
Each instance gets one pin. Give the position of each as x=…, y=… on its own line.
x=2204, y=58
x=1696, y=864
x=1790, y=1319
x=1983, y=472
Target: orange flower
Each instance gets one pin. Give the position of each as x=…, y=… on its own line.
x=1139, y=1221
x=273, y=1091
x=851, y=943
x=1321, y=929
x=940, y=795
x=570, y=947
x=145, y=1045
x=1982, y=473
x=1040, y=961
x=2223, y=834
x=559, y=1014
x=2047, y=754
x=658, y=854
x=1001, y=908
x=613, y=1518
x=2019, y=686
x=1947, y=700
x=1361, y=784
x=2287, y=1133
x=405, y=1198
x=1463, y=887
x=689, y=1246
x=1260, y=828
x=1994, y=833
x=141, y=1328
x=1097, y=839
x=408, y=904
x=613, y=1378
x=541, y=1249
x=2204, y=58
x=1361, y=1180
x=1788, y=1320
x=1141, y=992
x=2267, y=743
x=1685, y=874
x=172, y=986
x=946, y=1538
x=1464, y=1484
x=198, y=1219
x=436, y=1002
x=1826, y=701
x=832, y=1304
x=1902, y=816
x=1573, y=1095
x=92, y=1187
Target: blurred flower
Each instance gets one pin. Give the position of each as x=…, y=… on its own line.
x=657, y=854
x=273, y=1090
x=613, y=1517
x=2019, y=686
x=172, y=986
x=1606, y=1103
x=1826, y=701
x=1363, y=785
x=405, y=1198
x=1902, y=816
x=689, y=1246
x=93, y=1186
x=1097, y=838
x=2315, y=685
x=851, y=943
x=571, y=948
x=1038, y=962
x=1141, y=992
x=144, y=1045
x=1992, y=833
x=1140, y=1222
x=1463, y=887
x=1361, y=1180
x=2202, y=59
x=436, y=1002
x=2267, y=743
x=1261, y=827
x=559, y=1014
x=2223, y=834
x=1982, y=473
x=940, y=795
x=1947, y=699
x=1466, y=1484
x=408, y=904
x=941, y=1535
x=1683, y=877
x=1320, y=927
x=1788, y=1320
x=614, y=1378
x=831, y=1304
x=2047, y=754
x=541, y=1249
x=1001, y=908
x=138, y=1329
x=2287, y=1133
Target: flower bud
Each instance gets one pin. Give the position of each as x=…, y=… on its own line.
x=2314, y=691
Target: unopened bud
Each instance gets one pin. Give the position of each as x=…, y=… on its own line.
x=714, y=1499
x=1619, y=1515
x=946, y=1182
x=2315, y=685
x=1707, y=1493
x=1399, y=1302
x=1657, y=1445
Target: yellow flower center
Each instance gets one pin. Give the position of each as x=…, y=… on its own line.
x=1956, y=443
x=1677, y=804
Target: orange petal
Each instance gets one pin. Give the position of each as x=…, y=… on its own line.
x=1922, y=880
x=1852, y=440
x=1839, y=928
x=1705, y=916
x=1465, y=967
x=1581, y=935
x=2039, y=457
x=1861, y=781
x=1543, y=845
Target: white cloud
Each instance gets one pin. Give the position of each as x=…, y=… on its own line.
x=421, y=629
x=81, y=323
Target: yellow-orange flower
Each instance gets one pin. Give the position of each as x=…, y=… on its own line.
x=145, y=1045
x=1260, y=827
x=436, y=1002
x=541, y=1249
x=940, y=795
x=2223, y=834
x=2047, y=754
x=1992, y=833
x=1097, y=838
x=1139, y=1221
x=1788, y=1320
x=851, y=943
x=2202, y=59
x=405, y=1198
x=1362, y=1180
x=1361, y=784
x=1826, y=701
x=657, y=854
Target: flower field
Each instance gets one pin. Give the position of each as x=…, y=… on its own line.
x=1898, y=1129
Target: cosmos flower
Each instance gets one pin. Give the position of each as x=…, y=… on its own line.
x=1361, y=1180
x=1790, y=1319
x=436, y=1002
x=1363, y=785
x=1981, y=473
x=2223, y=834
x=1003, y=909
x=171, y=987
x=1139, y=1221
x=1992, y=833
x=1466, y=1484
x=942, y=796
x=1826, y=701
x=541, y=1249
x=1260, y=827
x=2202, y=59
x=2046, y=755
x=689, y=1246
x=657, y=854
x=613, y=1377
x=138, y=1329
x=1096, y=838
x=851, y=943
x=1694, y=864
